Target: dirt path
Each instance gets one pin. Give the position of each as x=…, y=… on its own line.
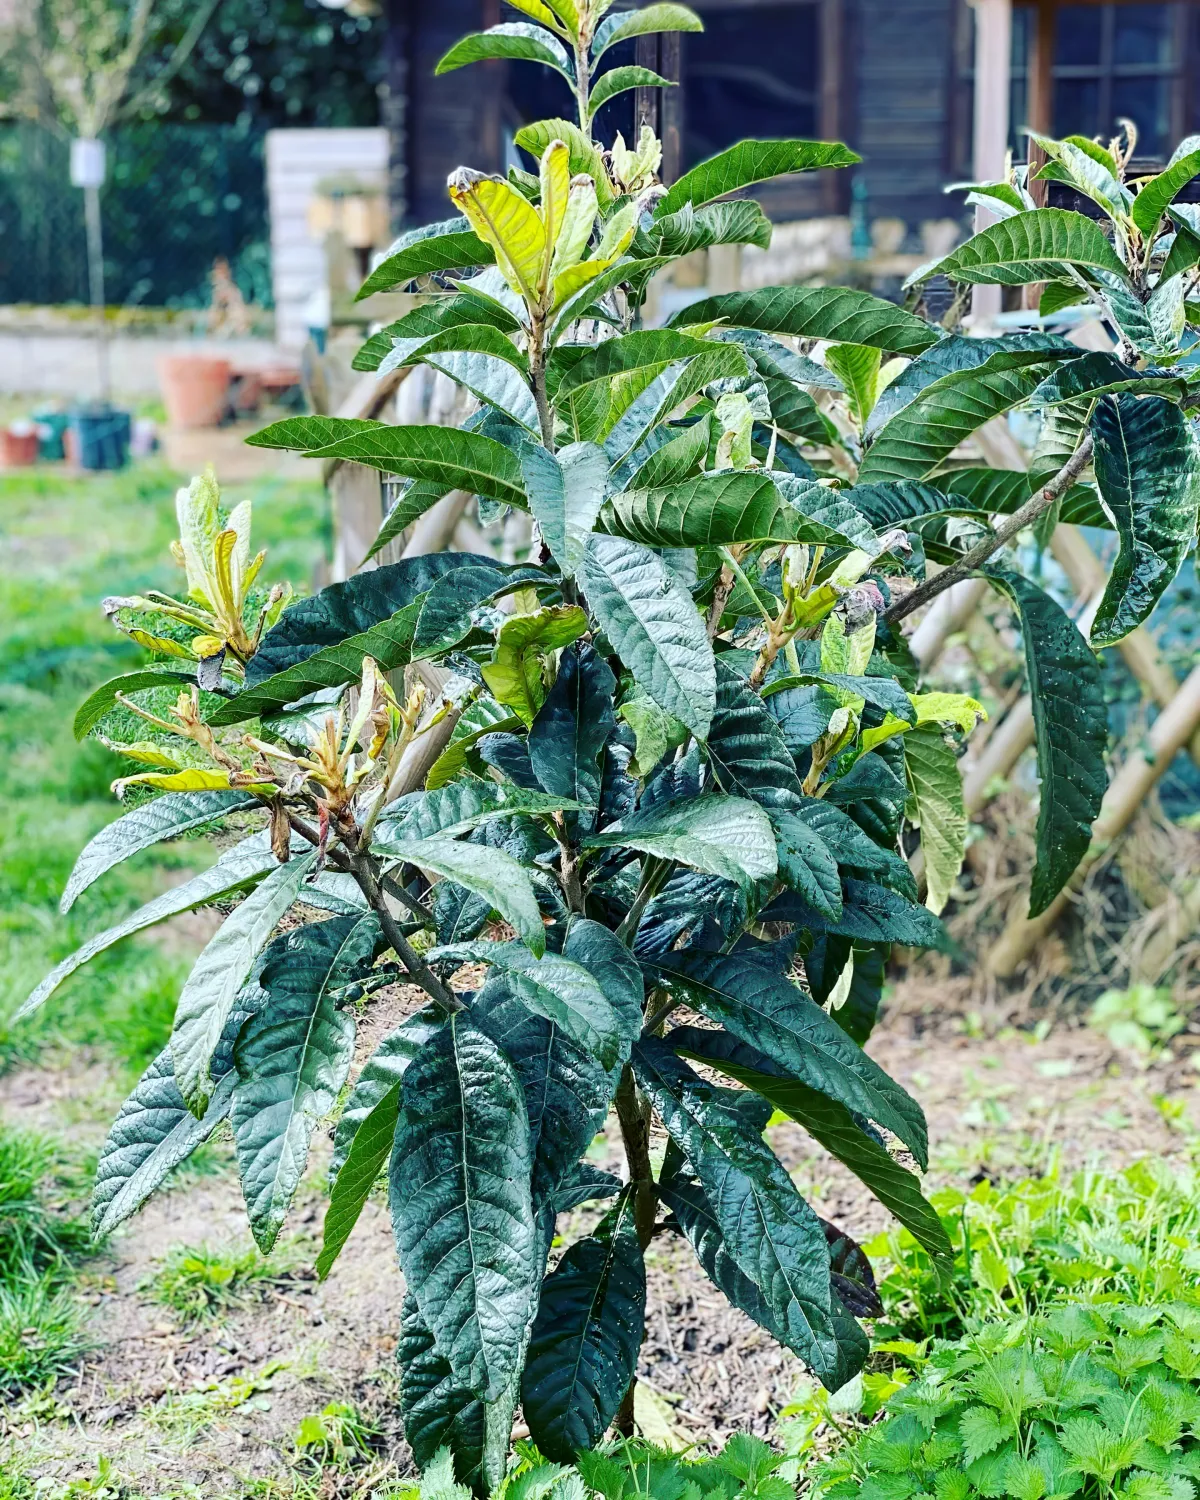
x=215, y=1405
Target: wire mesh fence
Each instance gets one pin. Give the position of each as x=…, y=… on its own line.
x=176, y=197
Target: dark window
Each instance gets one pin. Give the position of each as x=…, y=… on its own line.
x=754, y=71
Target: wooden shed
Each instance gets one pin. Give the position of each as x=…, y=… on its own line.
x=896, y=79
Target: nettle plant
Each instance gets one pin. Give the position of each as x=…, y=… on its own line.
x=680, y=751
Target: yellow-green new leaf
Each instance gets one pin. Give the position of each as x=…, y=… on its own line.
x=516, y=674
x=502, y=218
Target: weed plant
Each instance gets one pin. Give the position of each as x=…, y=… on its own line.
x=198, y=1282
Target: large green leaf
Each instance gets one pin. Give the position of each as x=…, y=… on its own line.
x=679, y=456
x=457, y=808
x=957, y=353
x=870, y=913
x=1071, y=732
x=828, y=1122
x=770, y=1232
x=165, y=818
x=489, y=368
x=512, y=39
x=456, y=1438
x=208, y=997
x=293, y=434
x=764, y=1009
x=1031, y=246
x=725, y=836
x=320, y=642
x=1155, y=196
x=582, y=302
x=292, y=1058
x=567, y=739
x=615, y=970
x=935, y=783
x=567, y=1093
x=624, y=24
x=653, y=626
x=585, y=155
x=594, y=390
x=738, y=222
x=807, y=864
x=499, y=879
x=890, y=505
x=461, y=1204
x=447, y=615
x=566, y=490
x=418, y=252
x=97, y=704
x=151, y=1135
x=748, y=162
x=882, y=692
x=1005, y=491
x=1147, y=465
x=452, y=456
x=835, y=313
x=746, y=748
x=931, y=426
x=395, y=342
x=237, y=867
x=553, y=987
x=586, y=1338
x=1096, y=374
x=621, y=80
x=724, y=508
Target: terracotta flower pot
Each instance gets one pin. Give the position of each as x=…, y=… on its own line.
x=19, y=445
x=195, y=388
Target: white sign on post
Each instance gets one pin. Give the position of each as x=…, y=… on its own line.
x=87, y=164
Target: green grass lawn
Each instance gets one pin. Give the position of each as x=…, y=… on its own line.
x=65, y=543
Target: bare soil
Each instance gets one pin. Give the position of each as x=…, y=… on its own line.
x=215, y=1405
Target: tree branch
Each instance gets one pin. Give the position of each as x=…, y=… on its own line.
x=1003, y=534
x=363, y=869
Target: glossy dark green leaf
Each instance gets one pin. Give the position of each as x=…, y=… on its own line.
x=451, y=456
x=151, y=1135
x=461, y=1204
x=1097, y=374
x=676, y=459
x=835, y=313
x=586, y=1339
x=1147, y=465
x=426, y=321
x=292, y=1059
x=165, y=818
x=448, y=609
x=499, y=880
x=97, y=704
x=890, y=505
x=455, y=809
x=585, y=1184
x=765, y=1010
x=749, y=162
x=555, y=988
x=723, y=508
x=442, y=1415
x=769, y=1231
x=566, y=1092
x=1031, y=246
x=807, y=864
x=444, y=246
x=870, y=913
x=828, y=1122
x=855, y=852
x=653, y=625
x=775, y=359
x=944, y=413
x=567, y=739
x=1071, y=732
x=746, y=748
x=726, y=836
